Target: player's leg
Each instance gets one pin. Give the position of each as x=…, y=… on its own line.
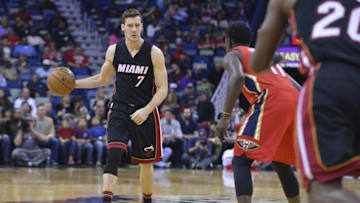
x=328, y=132
x=146, y=180
x=146, y=150
x=242, y=177
x=288, y=181
x=117, y=137
x=331, y=192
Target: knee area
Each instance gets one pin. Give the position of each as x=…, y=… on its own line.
x=241, y=161
x=114, y=157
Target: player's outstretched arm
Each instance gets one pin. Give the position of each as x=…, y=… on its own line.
x=270, y=34
x=105, y=75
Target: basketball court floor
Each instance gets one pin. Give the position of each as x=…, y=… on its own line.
x=171, y=185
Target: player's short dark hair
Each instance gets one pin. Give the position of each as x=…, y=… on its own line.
x=239, y=32
x=130, y=13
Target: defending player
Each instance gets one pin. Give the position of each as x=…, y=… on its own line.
x=328, y=114
x=140, y=86
x=266, y=134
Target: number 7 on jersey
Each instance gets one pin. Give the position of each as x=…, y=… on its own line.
x=141, y=79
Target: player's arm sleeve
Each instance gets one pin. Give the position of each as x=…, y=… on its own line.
x=269, y=36
x=160, y=77
x=232, y=64
x=106, y=73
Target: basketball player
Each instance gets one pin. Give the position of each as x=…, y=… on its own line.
x=266, y=134
x=140, y=86
x=328, y=114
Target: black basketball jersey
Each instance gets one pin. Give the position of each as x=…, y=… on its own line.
x=134, y=82
x=330, y=29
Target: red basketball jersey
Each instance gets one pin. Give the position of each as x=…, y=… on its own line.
x=255, y=84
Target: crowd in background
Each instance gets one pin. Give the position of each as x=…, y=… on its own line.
x=38, y=128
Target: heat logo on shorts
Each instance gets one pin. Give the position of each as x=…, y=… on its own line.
x=148, y=150
x=247, y=145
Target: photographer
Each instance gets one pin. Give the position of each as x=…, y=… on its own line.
x=28, y=151
x=199, y=154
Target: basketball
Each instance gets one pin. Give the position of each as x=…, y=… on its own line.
x=61, y=81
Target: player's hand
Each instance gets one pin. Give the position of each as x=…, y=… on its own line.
x=140, y=116
x=221, y=128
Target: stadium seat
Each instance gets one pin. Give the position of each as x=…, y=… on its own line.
x=41, y=100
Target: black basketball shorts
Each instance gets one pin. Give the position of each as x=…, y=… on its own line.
x=328, y=123
x=145, y=138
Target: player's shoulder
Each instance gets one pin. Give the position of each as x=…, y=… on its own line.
x=233, y=55
x=156, y=53
x=110, y=52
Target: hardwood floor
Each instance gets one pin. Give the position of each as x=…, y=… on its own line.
x=171, y=185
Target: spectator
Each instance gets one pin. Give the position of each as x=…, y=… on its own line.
x=194, y=35
x=66, y=106
x=205, y=108
x=215, y=74
x=26, y=110
x=44, y=71
x=98, y=136
x=25, y=96
x=204, y=86
x=45, y=126
x=23, y=13
x=99, y=112
x=35, y=40
x=78, y=58
x=50, y=112
x=115, y=37
x=4, y=100
x=6, y=49
x=24, y=49
x=177, y=14
x=185, y=80
x=80, y=109
x=37, y=88
x=83, y=142
x=199, y=154
x=152, y=28
x=189, y=127
x=189, y=91
x=52, y=54
x=22, y=65
x=171, y=130
x=3, y=26
x=174, y=73
x=181, y=58
x=207, y=42
x=167, y=152
x=4, y=138
x=12, y=37
x=28, y=151
x=42, y=29
x=9, y=72
x=66, y=135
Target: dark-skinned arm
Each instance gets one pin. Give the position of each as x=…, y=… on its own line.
x=232, y=64
x=270, y=34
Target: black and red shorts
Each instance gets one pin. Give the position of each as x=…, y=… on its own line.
x=145, y=138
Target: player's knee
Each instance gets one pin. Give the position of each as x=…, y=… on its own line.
x=241, y=161
x=114, y=157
